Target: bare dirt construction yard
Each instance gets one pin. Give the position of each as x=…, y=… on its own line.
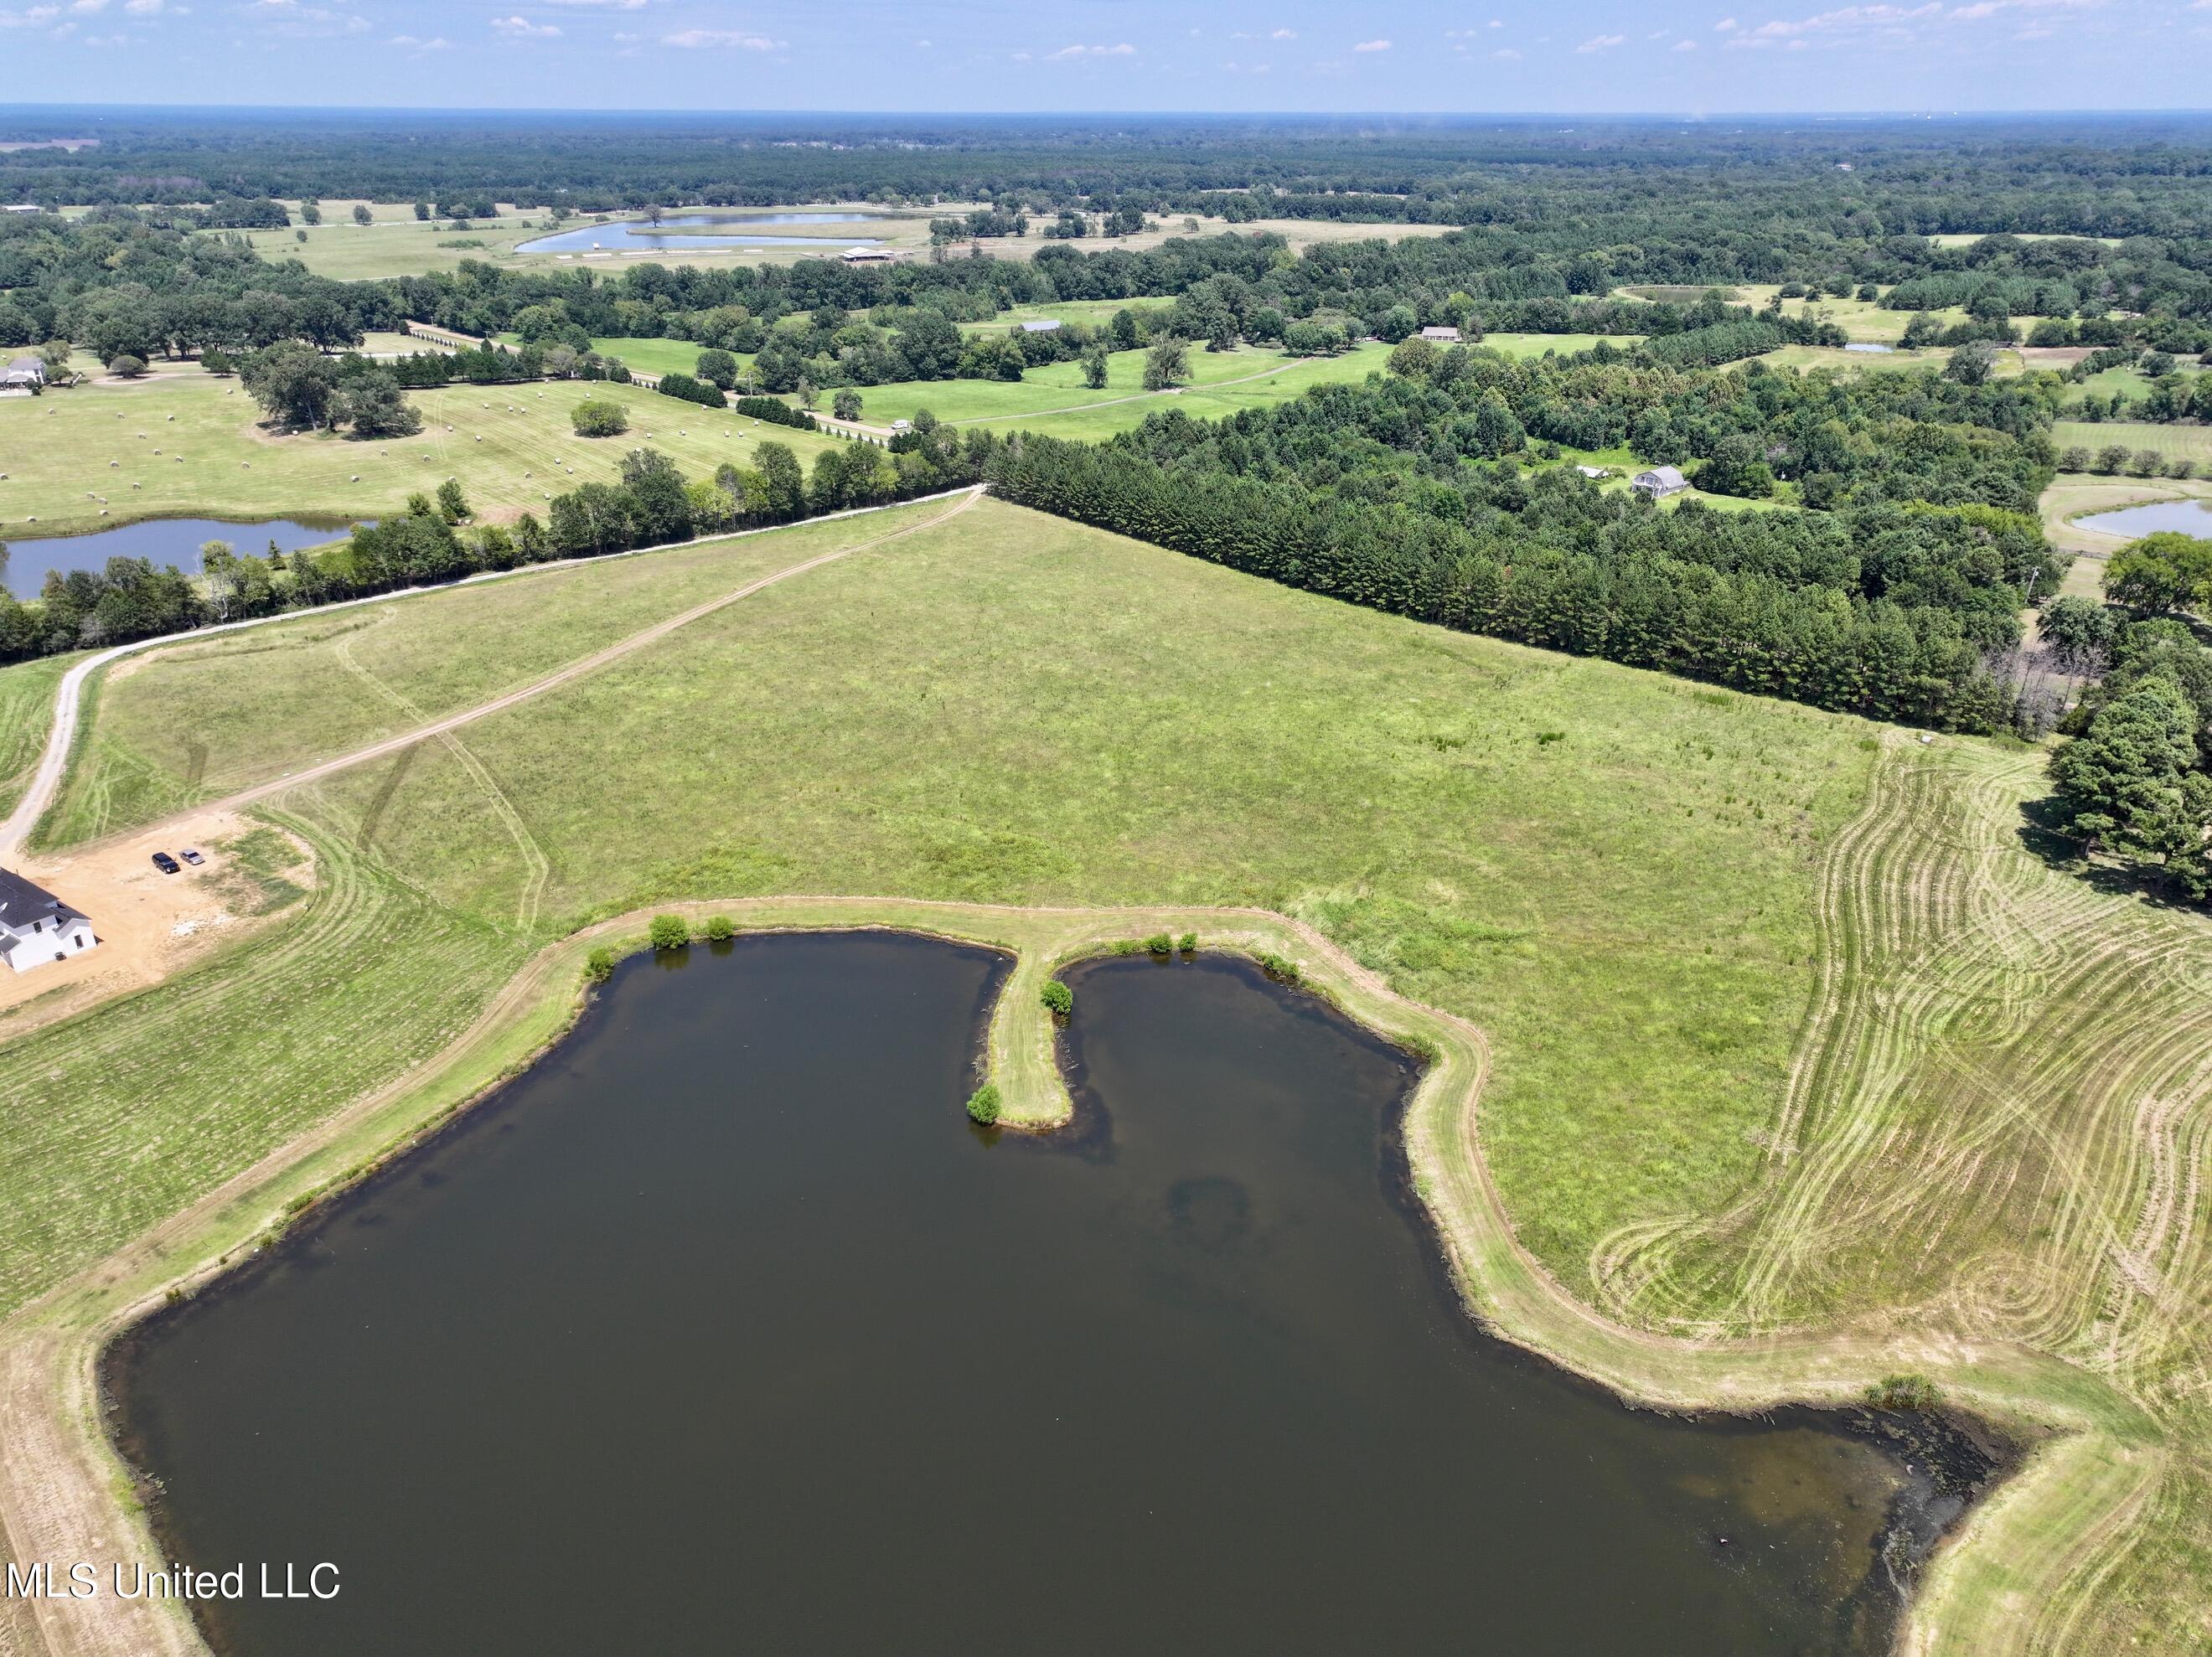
x=150, y=925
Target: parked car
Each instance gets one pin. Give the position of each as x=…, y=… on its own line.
x=192, y=856
x=166, y=864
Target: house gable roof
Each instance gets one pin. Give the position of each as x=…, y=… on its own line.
x=22, y=903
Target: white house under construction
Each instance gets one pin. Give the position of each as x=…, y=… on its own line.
x=37, y=928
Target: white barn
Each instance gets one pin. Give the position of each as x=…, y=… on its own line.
x=37, y=928
x=1661, y=479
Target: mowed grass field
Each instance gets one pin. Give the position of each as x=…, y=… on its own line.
x=193, y=446
x=26, y=712
x=1053, y=399
x=1793, y=1030
x=2174, y=442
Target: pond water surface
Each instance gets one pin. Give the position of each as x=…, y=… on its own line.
x=635, y=234
x=2189, y=516
x=163, y=540
x=723, y=1330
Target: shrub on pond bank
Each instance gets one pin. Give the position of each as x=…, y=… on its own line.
x=1907, y=1391
x=1187, y=944
x=1058, y=998
x=721, y=929
x=1160, y=946
x=983, y=1103
x=669, y=932
x=1279, y=968
x=599, y=965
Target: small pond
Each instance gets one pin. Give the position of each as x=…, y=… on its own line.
x=163, y=540
x=2189, y=516
x=1870, y=347
x=680, y=230
x=722, y=1329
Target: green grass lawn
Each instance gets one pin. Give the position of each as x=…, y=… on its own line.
x=1631, y=882
x=27, y=714
x=1012, y=708
x=2175, y=442
x=1521, y=346
x=649, y=356
x=1057, y=390
x=214, y=460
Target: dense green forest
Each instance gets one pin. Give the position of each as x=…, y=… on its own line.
x=2075, y=175
x=1408, y=494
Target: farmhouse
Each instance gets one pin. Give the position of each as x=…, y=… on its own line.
x=36, y=927
x=1442, y=336
x=1661, y=480
x=25, y=374
x=1050, y=325
x=869, y=256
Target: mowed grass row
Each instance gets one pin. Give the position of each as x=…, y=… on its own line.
x=192, y=447
x=2174, y=442
x=114, y=1120
x=198, y=720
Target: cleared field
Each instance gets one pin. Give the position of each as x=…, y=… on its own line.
x=2174, y=442
x=191, y=446
x=1057, y=391
x=1859, y=362
x=1521, y=346
x=1793, y=1031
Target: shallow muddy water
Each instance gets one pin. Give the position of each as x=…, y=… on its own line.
x=724, y=1330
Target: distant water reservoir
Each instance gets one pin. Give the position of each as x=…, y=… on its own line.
x=1870, y=347
x=723, y=1330
x=680, y=230
x=162, y=540
x=2189, y=516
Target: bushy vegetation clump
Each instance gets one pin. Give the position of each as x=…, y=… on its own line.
x=983, y=1104
x=669, y=932
x=599, y=417
x=1059, y=1000
x=599, y=964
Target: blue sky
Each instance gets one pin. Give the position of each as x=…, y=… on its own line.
x=985, y=55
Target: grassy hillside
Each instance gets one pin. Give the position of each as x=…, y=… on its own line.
x=27, y=712
x=1793, y=1030
x=2174, y=442
x=192, y=444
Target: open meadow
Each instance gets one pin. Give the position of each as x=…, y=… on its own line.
x=1761, y=984
x=192, y=444
x=2172, y=442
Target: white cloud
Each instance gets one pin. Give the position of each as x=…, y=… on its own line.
x=1602, y=42
x=417, y=44
x=1507, y=54
x=1067, y=54
x=1686, y=46
x=1292, y=34
x=147, y=8
x=1372, y=45
x=84, y=8
x=705, y=39
x=1842, y=21
x=522, y=28
x=1727, y=25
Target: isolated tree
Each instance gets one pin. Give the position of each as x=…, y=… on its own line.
x=1970, y=363
x=1414, y=358
x=55, y=354
x=718, y=367
x=127, y=366
x=1168, y=363
x=219, y=577
x=1123, y=328
x=311, y=213
x=846, y=404
x=294, y=384
x=373, y=404
x=361, y=216
x=808, y=397
x=453, y=507
x=599, y=417
x=2160, y=574
x=421, y=209
x=1094, y=365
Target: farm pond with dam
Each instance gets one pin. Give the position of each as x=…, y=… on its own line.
x=723, y=1328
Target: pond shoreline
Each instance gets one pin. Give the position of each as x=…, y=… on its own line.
x=53, y=1357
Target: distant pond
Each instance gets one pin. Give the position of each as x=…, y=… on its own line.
x=636, y=233
x=1869, y=347
x=164, y=540
x=2189, y=516
x=722, y=1329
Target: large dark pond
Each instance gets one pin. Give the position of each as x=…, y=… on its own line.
x=164, y=540
x=723, y=1330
